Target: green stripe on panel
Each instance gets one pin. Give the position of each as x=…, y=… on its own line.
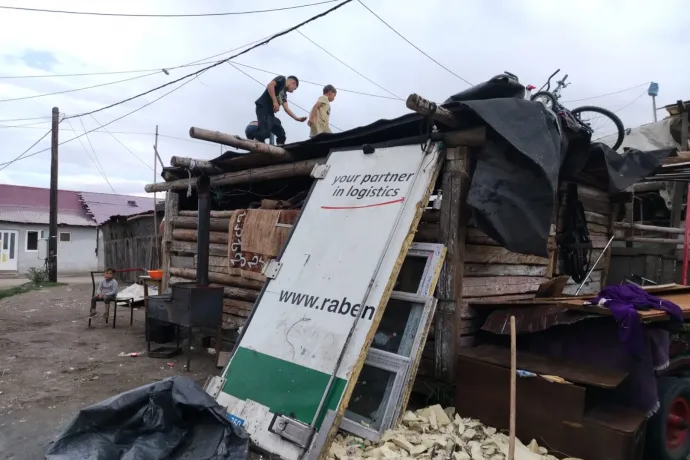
x=282, y=386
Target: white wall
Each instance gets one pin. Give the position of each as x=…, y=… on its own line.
x=75, y=257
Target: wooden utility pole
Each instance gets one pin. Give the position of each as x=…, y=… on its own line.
x=53, y=223
x=155, y=203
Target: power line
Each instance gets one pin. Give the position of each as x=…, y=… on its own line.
x=123, y=145
x=606, y=94
x=23, y=119
x=347, y=65
x=21, y=155
x=103, y=125
x=118, y=132
x=289, y=102
x=78, y=89
x=134, y=15
x=98, y=165
x=631, y=102
x=199, y=72
x=412, y=44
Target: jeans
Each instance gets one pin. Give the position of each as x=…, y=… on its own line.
x=268, y=123
x=106, y=299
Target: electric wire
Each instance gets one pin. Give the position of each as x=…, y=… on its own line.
x=199, y=72
x=348, y=66
x=122, y=144
x=412, y=44
x=21, y=155
x=606, y=94
x=137, y=15
x=97, y=164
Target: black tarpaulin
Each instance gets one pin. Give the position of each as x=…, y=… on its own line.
x=173, y=419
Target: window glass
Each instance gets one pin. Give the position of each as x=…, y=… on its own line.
x=32, y=241
x=65, y=237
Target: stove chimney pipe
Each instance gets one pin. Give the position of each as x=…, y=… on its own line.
x=203, y=229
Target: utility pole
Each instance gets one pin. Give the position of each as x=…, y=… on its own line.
x=53, y=222
x=157, y=261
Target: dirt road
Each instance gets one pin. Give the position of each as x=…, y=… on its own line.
x=51, y=365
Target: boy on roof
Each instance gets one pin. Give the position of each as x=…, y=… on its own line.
x=268, y=104
x=320, y=115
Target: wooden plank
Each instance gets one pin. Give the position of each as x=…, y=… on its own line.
x=488, y=286
x=501, y=299
x=190, y=248
x=453, y=230
x=183, y=234
x=504, y=270
x=572, y=371
x=590, y=288
x=427, y=233
x=498, y=255
x=172, y=207
x=220, y=214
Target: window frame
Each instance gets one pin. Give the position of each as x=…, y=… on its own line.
x=64, y=233
x=40, y=237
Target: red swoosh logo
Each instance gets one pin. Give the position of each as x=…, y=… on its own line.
x=399, y=200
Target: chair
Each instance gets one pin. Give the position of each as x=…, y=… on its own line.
x=119, y=301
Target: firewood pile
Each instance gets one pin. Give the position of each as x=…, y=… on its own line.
x=434, y=433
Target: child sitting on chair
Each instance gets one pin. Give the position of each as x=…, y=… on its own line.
x=107, y=292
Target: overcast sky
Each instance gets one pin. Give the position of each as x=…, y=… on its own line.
x=605, y=46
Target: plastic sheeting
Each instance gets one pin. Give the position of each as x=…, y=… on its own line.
x=173, y=419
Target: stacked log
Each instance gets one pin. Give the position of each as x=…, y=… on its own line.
x=240, y=292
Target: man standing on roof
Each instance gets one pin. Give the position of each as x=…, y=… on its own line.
x=320, y=115
x=269, y=104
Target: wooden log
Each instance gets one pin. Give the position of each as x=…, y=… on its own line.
x=504, y=270
x=228, y=291
x=427, y=233
x=195, y=165
x=217, y=225
x=643, y=239
x=220, y=250
x=238, y=142
x=216, y=261
x=172, y=207
x=424, y=107
x=650, y=228
x=231, y=322
x=219, y=278
x=453, y=230
x=431, y=216
x=280, y=171
x=474, y=137
x=498, y=255
x=184, y=234
x=478, y=237
x=237, y=307
x=221, y=214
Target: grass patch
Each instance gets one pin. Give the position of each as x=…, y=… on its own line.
x=26, y=287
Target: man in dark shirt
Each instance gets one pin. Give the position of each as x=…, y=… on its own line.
x=268, y=104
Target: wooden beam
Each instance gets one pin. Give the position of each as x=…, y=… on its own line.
x=642, y=239
x=236, y=141
x=282, y=171
x=185, y=234
x=217, y=224
x=220, y=278
x=650, y=228
x=453, y=231
x=423, y=107
x=474, y=137
x=172, y=207
x=195, y=165
x=219, y=250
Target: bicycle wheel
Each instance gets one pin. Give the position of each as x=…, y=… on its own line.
x=545, y=98
x=603, y=124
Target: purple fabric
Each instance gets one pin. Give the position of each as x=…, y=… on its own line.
x=594, y=342
x=624, y=300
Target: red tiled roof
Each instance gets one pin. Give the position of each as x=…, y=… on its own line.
x=39, y=198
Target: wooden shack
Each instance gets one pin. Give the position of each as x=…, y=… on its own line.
x=476, y=267
x=130, y=242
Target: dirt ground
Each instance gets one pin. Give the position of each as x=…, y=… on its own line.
x=52, y=364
